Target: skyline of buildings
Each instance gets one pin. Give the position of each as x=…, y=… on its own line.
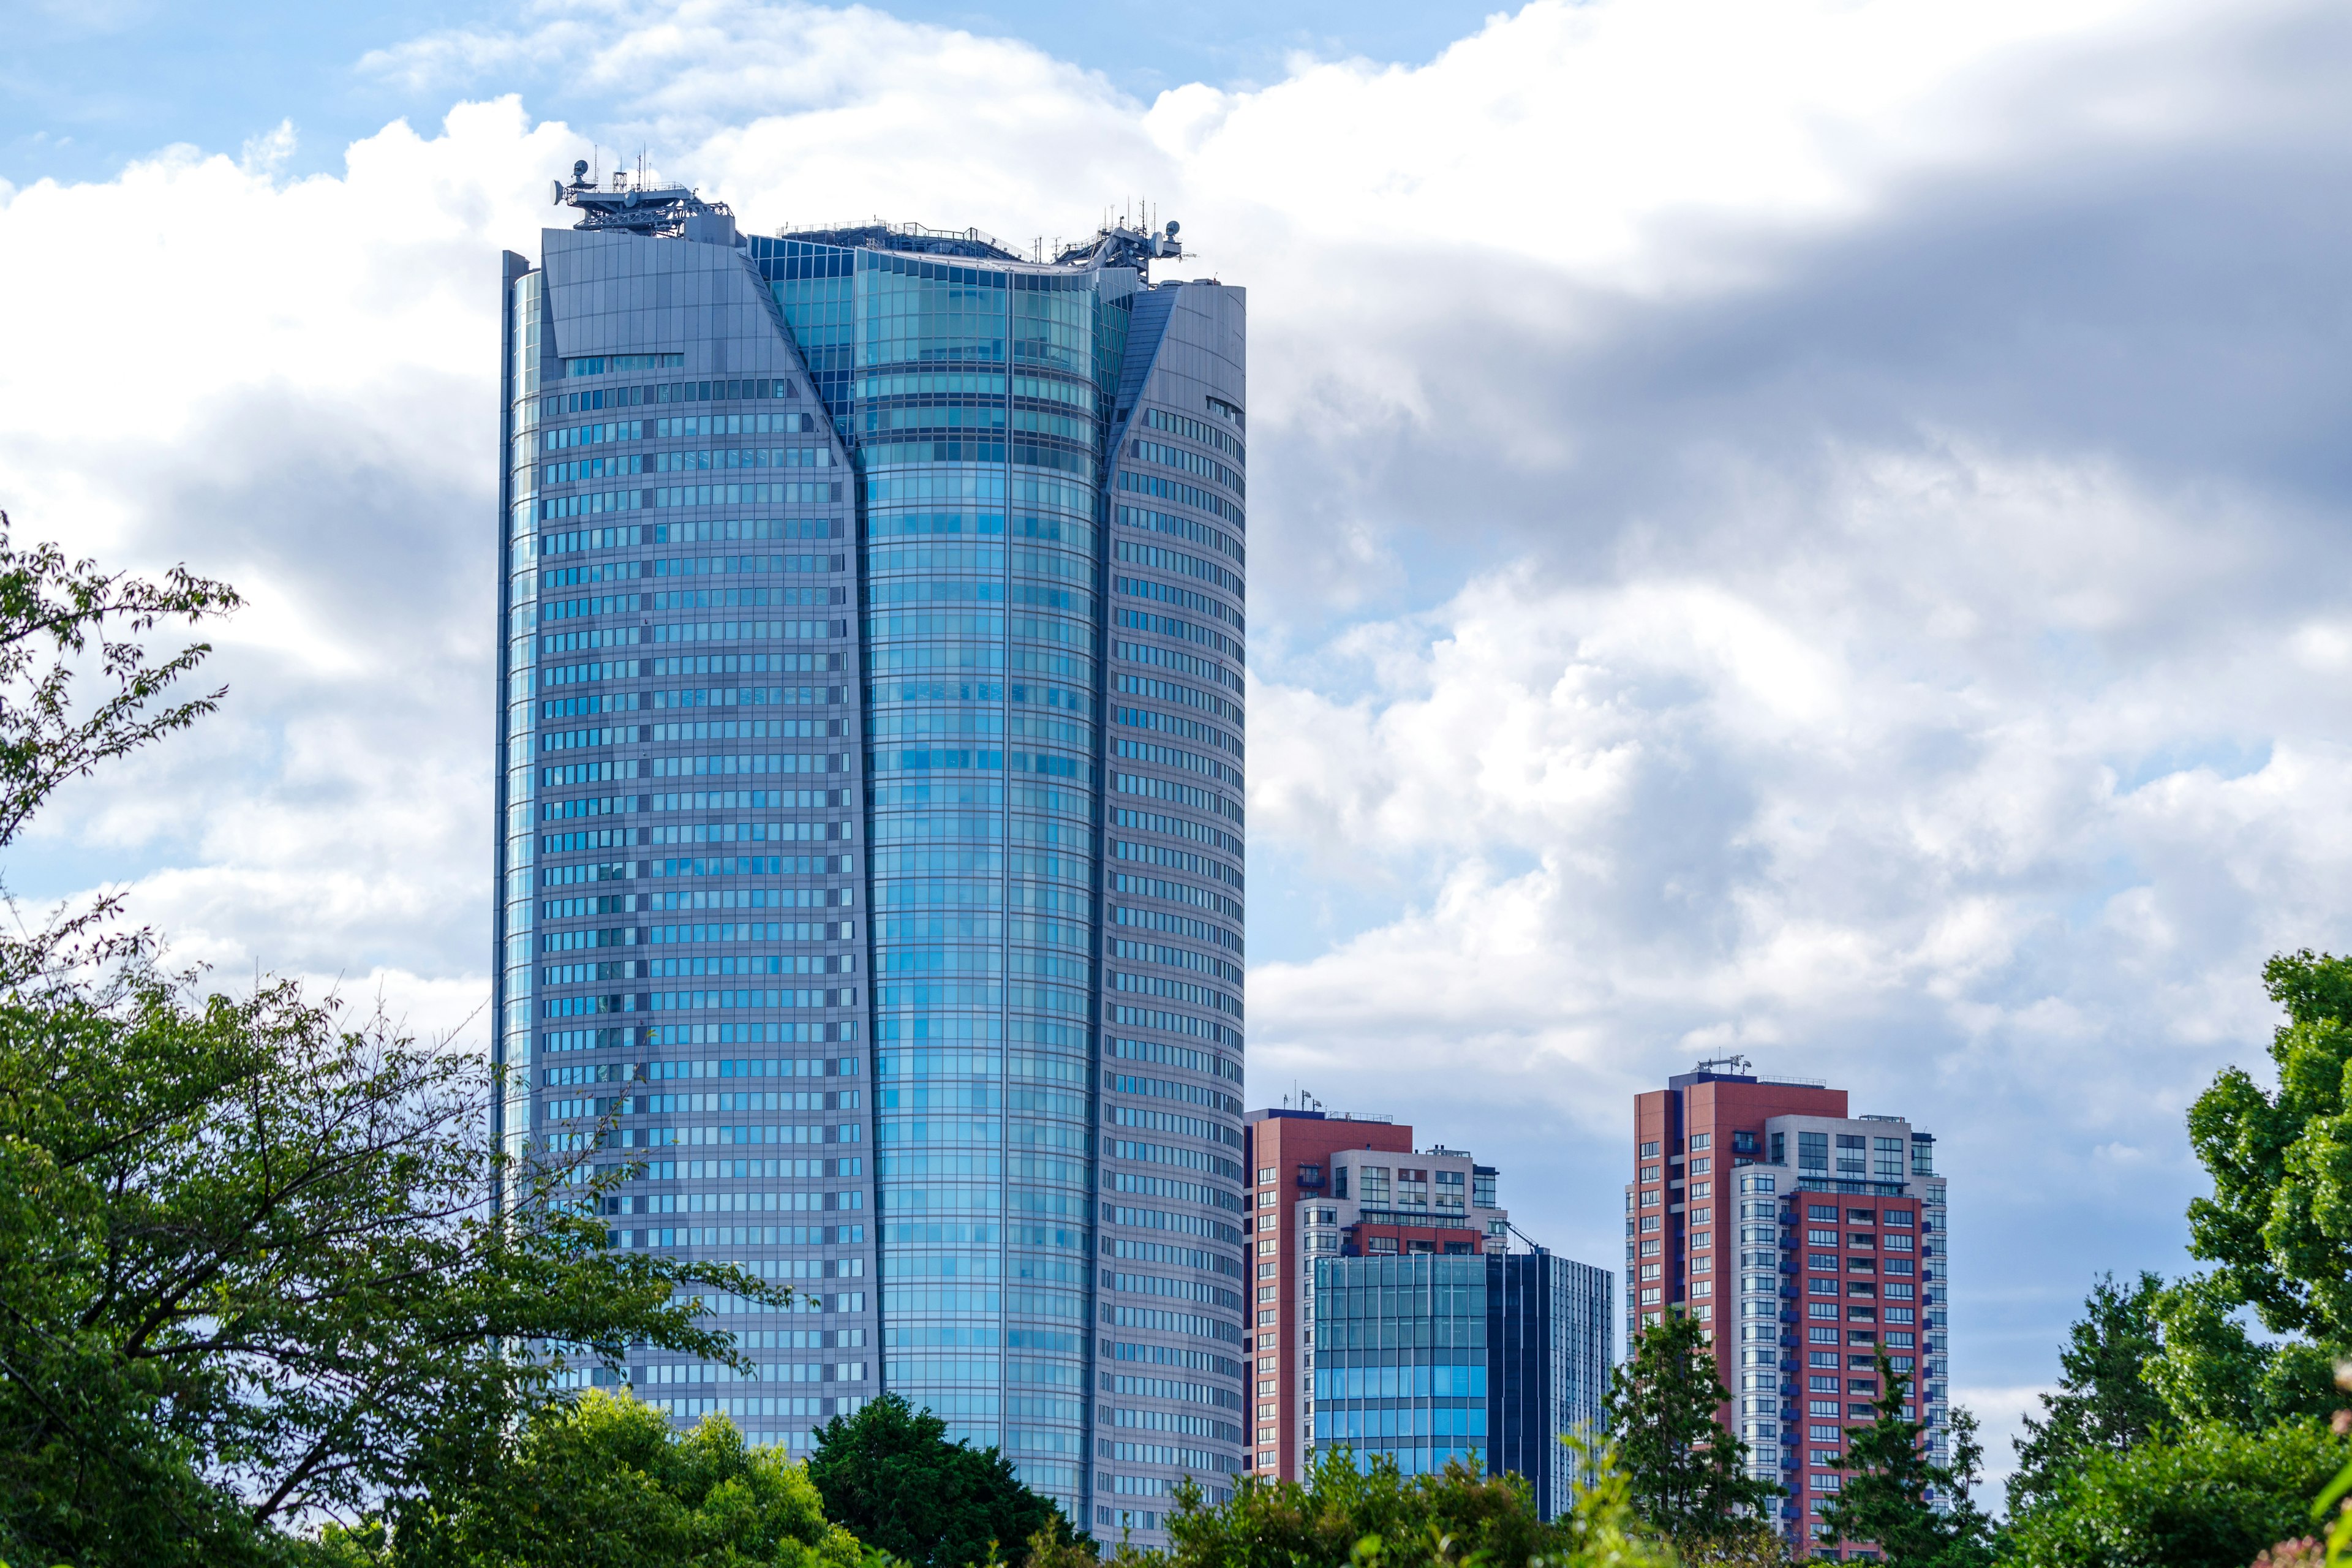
x=870, y=881
x=1807, y=1241
x=870, y=838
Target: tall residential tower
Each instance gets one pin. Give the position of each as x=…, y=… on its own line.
x=1807, y=1241
x=871, y=841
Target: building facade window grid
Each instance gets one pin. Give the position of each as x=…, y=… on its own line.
x=970, y=409
x=1335, y=1190
x=1807, y=1242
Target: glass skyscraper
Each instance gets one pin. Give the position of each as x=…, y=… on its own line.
x=870, y=858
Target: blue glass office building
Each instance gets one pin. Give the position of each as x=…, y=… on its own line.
x=1490, y=1360
x=870, y=851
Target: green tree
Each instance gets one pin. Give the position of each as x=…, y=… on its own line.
x=2204, y=1497
x=1752, y=1548
x=2278, y=1225
x=254, y=1264
x=1892, y=1489
x=2213, y=1369
x=1687, y=1474
x=888, y=1474
x=2104, y=1402
x=1372, y=1514
x=255, y=1260
x=50, y=609
x=603, y=1482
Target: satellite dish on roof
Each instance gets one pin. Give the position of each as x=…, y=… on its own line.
x=1172, y=227
x=557, y=200
x=630, y=200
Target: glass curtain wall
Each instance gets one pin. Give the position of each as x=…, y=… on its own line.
x=517, y=618
x=1400, y=1362
x=975, y=395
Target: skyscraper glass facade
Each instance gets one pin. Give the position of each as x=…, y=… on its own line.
x=954, y=826
x=1490, y=1360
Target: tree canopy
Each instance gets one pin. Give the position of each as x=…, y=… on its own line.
x=2278, y=1224
x=604, y=1482
x=1372, y=1514
x=2104, y=1402
x=888, y=1473
x=1687, y=1474
x=2203, y=1497
x=254, y=1264
x=1892, y=1489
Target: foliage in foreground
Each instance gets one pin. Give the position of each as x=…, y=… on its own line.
x=1749, y=1548
x=1892, y=1489
x=888, y=1474
x=2104, y=1402
x=2278, y=1227
x=1687, y=1475
x=1377, y=1516
x=607, y=1483
x=252, y=1262
x=2210, y=1497
x=253, y=1267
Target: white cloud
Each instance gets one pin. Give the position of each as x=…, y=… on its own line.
x=2001, y=1413
x=1846, y=818
x=267, y=154
x=295, y=393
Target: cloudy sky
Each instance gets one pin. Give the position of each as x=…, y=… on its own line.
x=1806, y=528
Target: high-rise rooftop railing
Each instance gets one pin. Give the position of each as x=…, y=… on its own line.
x=880, y=234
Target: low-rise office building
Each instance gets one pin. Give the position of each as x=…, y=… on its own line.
x=1467, y=1350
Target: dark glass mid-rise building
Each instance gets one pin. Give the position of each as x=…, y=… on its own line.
x=870, y=855
x=1392, y=1316
x=1489, y=1359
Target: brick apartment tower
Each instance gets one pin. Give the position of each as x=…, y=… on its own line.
x=1288, y=1154
x=1806, y=1240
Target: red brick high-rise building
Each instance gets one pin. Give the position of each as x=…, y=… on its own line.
x=1806, y=1240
